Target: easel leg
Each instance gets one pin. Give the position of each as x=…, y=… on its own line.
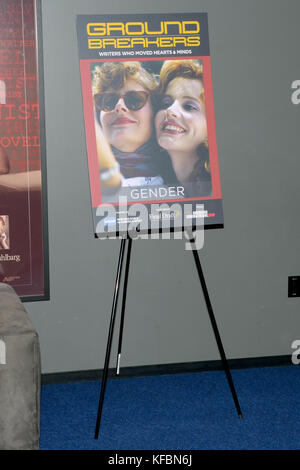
x=216, y=332
x=123, y=304
x=110, y=336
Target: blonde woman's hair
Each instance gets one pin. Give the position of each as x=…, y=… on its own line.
x=115, y=74
x=190, y=69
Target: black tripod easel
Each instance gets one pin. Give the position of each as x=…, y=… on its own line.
x=128, y=241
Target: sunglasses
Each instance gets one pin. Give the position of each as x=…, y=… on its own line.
x=134, y=100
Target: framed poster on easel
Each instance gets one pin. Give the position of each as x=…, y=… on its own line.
x=23, y=198
x=151, y=140
x=153, y=158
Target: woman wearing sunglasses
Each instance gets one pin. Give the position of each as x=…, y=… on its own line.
x=123, y=93
x=180, y=124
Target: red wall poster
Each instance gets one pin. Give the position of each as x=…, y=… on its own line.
x=23, y=242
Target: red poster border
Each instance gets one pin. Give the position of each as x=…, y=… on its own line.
x=91, y=138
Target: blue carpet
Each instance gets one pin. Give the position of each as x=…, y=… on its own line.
x=193, y=411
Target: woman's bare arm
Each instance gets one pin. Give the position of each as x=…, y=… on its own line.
x=4, y=163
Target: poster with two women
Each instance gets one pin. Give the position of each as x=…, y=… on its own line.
x=149, y=122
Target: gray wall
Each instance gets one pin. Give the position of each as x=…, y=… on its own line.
x=255, y=58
